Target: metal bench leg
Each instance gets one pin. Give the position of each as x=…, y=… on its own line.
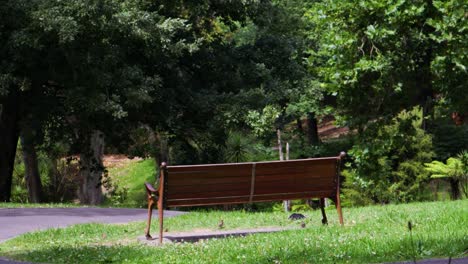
x=338, y=208
x=322, y=208
x=161, y=220
x=150, y=213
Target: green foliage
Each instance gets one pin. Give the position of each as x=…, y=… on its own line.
x=328, y=148
x=194, y=70
x=388, y=161
x=58, y=176
x=451, y=61
x=454, y=168
x=379, y=57
x=263, y=122
x=449, y=138
x=238, y=147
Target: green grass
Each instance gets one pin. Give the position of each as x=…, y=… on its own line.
x=370, y=235
x=132, y=178
x=39, y=205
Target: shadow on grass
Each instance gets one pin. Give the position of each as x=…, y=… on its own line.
x=236, y=251
x=195, y=237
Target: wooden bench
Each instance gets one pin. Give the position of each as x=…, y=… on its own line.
x=236, y=183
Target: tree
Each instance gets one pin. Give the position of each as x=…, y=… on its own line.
x=378, y=57
x=111, y=66
x=13, y=15
x=450, y=61
x=32, y=176
x=9, y=134
x=103, y=58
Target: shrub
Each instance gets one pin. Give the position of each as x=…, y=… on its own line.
x=238, y=147
x=388, y=162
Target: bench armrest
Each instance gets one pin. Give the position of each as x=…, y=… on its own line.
x=150, y=188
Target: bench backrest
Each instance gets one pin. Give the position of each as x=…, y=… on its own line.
x=232, y=183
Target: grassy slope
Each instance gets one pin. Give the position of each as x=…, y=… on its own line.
x=132, y=177
x=371, y=234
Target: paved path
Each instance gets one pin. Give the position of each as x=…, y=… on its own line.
x=16, y=221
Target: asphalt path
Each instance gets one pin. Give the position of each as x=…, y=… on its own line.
x=16, y=221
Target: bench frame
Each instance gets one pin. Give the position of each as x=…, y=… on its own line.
x=159, y=196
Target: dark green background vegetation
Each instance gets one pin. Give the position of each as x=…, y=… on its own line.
x=221, y=81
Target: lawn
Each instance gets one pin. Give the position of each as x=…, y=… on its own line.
x=130, y=179
x=371, y=234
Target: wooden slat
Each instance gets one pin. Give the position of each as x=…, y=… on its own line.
x=289, y=187
x=322, y=169
x=207, y=188
x=231, y=183
x=288, y=196
x=215, y=191
x=196, y=181
x=245, y=199
x=204, y=181
x=293, y=178
x=306, y=176
x=297, y=161
x=210, y=167
x=210, y=174
x=207, y=201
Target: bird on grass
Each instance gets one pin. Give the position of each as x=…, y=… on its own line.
x=221, y=224
x=296, y=216
x=303, y=225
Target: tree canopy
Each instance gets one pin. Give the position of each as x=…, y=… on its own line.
x=176, y=79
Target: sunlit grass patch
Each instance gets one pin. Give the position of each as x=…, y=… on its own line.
x=39, y=205
x=130, y=181
x=371, y=234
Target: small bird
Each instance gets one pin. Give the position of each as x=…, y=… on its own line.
x=296, y=216
x=303, y=225
x=221, y=224
x=166, y=230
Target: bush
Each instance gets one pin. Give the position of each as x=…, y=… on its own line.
x=238, y=147
x=388, y=162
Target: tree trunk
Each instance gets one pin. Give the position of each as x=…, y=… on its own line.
x=312, y=136
x=280, y=145
x=163, y=154
x=299, y=125
x=54, y=185
x=9, y=133
x=159, y=143
x=92, y=169
x=32, y=177
x=287, y=203
x=312, y=129
x=454, y=189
